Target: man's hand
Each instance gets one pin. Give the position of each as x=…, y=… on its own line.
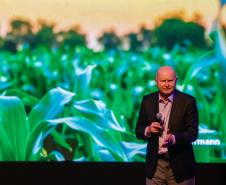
x=153, y=128
x=168, y=140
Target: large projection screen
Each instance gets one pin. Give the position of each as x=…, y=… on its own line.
x=73, y=73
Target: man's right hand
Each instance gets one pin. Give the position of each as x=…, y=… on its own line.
x=153, y=128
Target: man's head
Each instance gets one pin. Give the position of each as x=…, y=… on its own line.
x=166, y=80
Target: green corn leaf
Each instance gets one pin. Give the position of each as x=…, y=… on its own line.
x=221, y=54
x=79, y=153
x=6, y=151
x=82, y=87
x=27, y=99
x=208, y=59
x=35, y=140
x=50, y=106
x=98, y=113
x=101, y=136
x=220, y=39
x=133, y=149
x=117, y=104
x=4, y=85
x=54, y=156
x=60, y=140
x=86, y=147
x=14, y=122
x=128, y=109
x=99, y=79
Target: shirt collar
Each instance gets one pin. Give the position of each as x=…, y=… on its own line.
x=170, y=98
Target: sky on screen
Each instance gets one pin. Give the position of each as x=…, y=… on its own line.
x=96, y=16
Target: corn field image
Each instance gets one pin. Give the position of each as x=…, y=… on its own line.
x=63, y=101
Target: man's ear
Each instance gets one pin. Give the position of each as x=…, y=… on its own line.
x=156, y=81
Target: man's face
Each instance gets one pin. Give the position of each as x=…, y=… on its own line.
x=166, y=81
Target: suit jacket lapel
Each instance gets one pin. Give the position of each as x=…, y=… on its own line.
x=176, y=103
x=156, y=103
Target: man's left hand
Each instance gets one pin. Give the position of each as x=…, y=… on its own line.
x=168, y=140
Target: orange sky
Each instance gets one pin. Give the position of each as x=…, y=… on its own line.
x=94, y=16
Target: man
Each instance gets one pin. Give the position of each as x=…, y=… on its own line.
x=170, y=157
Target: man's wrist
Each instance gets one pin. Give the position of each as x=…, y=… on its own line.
x=174, y=140
x=146, y=132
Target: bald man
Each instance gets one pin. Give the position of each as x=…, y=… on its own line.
x=168, y=121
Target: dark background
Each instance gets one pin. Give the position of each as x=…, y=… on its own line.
x=94, y=173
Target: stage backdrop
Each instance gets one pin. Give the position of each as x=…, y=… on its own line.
x=73, y=73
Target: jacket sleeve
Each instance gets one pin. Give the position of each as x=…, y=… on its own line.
x=190, y=133
x=141, y=122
